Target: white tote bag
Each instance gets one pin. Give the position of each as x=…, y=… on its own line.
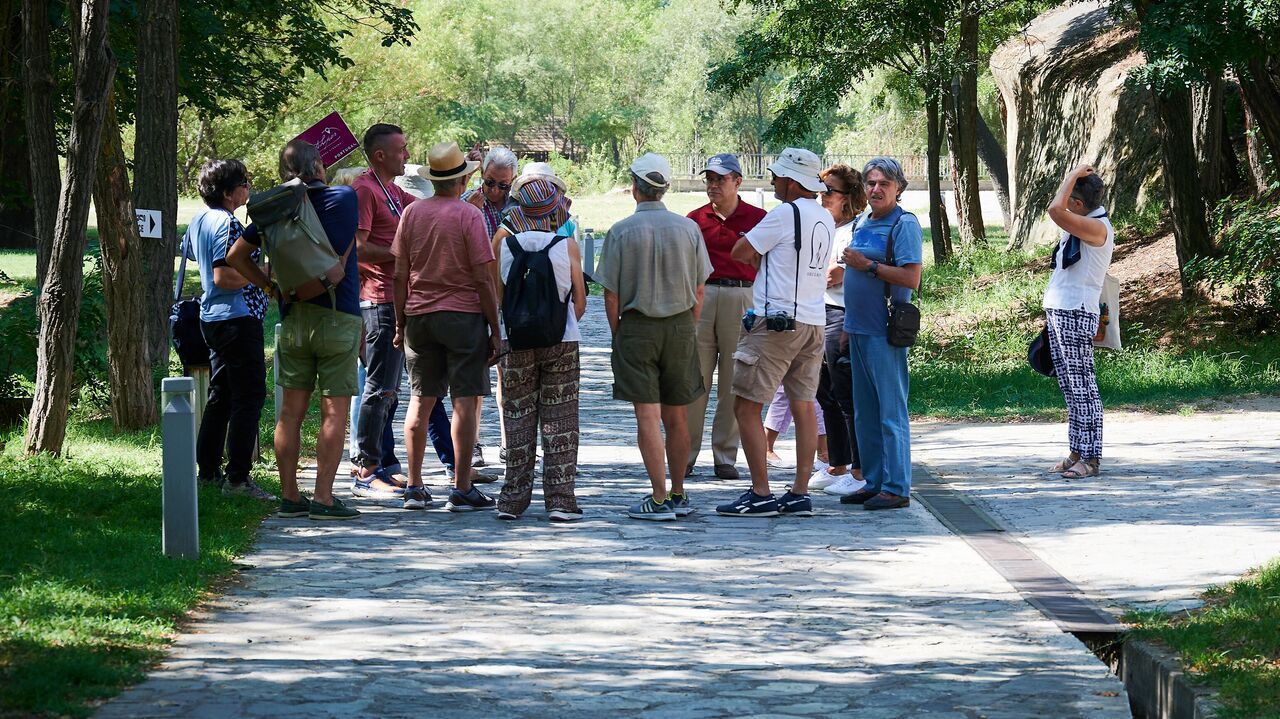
x=1109, y=314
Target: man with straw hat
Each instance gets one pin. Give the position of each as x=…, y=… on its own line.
x=540, y=378
x=653, y=268
x=446, y=319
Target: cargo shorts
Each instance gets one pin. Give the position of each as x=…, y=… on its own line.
x=318, y=348
x=767, y=359
x=655, y=359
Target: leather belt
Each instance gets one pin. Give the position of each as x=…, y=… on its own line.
x=722, y=282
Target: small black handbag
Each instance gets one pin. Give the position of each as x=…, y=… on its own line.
x=904, y=317
x=184, y=320
x=1039, y=356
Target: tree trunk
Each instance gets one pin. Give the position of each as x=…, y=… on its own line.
x=961, y=106
x=997, y=163
x=1262, y=100
x=17, y=215
x=39, y=91
x=939, y=228
x=59, y=302
x=1206, y=117
x=155, y=163
x=133, y=400
x=1181, y=180
x=1256, y=154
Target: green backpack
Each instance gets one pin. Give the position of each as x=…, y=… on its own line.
x=302, y=259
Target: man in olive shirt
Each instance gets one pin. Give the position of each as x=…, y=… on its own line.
x=653, y=267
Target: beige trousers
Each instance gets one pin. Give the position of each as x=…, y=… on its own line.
x=719, y=327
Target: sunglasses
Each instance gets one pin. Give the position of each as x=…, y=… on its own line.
x=830, y=191
x=504, y=186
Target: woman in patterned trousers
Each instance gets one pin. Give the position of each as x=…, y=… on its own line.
x=540, y=385
x=1080, y=263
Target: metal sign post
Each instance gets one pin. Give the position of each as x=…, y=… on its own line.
x=181, y=524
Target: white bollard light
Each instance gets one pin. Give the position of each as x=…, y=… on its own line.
x=181, y=525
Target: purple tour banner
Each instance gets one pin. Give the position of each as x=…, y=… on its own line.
x=332, y=138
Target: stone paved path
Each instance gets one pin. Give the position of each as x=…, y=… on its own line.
x=429, y=614
x=1183, y=502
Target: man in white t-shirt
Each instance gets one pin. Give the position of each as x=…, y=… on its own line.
x=783, y=338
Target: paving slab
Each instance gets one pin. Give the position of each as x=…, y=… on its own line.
x=412, y=614
x=1183, y=502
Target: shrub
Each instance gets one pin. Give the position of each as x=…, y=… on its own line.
x=1248, y=260
x=593, y=175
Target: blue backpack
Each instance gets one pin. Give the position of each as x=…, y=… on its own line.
x=533, y=311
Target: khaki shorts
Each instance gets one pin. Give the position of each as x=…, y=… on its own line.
x=447, y=353
x=655, y=360
x=767, y=359
x=318, y=346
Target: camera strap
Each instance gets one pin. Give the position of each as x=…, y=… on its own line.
x=888, y=253
x=795, y=297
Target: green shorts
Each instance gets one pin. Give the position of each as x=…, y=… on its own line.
x=655, y=360
x=318, y=346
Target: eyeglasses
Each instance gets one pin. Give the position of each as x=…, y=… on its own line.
x=504, y=186
x=832, y=191
x=246, y=184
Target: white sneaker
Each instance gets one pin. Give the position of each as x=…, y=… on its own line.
x=819, y=465
x=844, y=484
x=822, y=479
x=779, y=463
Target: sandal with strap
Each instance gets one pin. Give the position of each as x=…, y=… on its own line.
x=1065, y=464
x=1091, y=468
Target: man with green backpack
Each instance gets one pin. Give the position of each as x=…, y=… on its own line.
x=308, y=230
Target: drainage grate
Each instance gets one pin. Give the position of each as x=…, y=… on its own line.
x=1046, y=590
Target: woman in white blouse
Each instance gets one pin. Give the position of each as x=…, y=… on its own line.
x=1080, y=263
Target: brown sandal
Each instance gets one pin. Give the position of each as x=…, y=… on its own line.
x=1091, y=469
x=1065, y=464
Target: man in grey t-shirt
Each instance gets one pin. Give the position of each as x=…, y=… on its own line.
x=653, y=267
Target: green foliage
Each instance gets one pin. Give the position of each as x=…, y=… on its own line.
x=1187, y=41
x=1143, y=221
x=21, y=331
x=1233, y=642
x=983, y=307
x=1248, y=259
x=87, y=600
x=593, y=176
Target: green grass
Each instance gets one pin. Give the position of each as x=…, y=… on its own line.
x=87, y=599
x=1233, y=642
x=981, y=310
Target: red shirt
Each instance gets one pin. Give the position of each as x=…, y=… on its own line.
x=377, y=280
x=721, y=235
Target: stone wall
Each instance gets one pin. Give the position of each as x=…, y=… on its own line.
x=1063, y=86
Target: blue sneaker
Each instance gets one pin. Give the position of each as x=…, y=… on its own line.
x=750, y=504
x=680, y=503
x=795, y=505
x=654, y=510
x=366, y=487
x=471, y=501
x=416, y=498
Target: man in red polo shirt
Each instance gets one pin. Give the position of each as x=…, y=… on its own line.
x=728, y=295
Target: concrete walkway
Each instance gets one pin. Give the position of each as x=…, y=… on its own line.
x=1183, y=501
x=429, y=614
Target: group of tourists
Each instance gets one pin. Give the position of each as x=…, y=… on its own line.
x=790, y=309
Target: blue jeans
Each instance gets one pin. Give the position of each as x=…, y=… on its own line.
x=880, y=413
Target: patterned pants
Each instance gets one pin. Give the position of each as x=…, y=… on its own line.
x=1071, y=345
x=540, y=388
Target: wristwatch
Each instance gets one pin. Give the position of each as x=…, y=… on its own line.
x=873, y=268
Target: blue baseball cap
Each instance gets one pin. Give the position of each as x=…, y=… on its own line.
x=723, y=164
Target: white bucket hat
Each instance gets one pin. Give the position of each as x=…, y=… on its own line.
x=536, y=170
x=800, y=165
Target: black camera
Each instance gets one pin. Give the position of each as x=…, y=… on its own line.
x=780, y=322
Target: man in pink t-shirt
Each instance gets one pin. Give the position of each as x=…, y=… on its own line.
x=446, y=317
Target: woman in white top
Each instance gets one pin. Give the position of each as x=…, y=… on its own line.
x=845, y=198
x=540, y=385
x=1080, y=264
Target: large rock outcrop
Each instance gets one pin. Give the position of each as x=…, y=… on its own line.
x=1064, y=91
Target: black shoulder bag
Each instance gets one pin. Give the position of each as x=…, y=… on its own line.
x=904, y=317
x=184, y=319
